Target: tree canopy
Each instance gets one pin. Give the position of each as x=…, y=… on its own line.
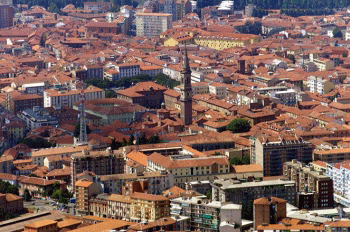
x=239, y=125
x=127, y=82
x=337, y=33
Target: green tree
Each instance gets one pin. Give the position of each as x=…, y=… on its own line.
x=154, y=139
x=337, y=33
x=26, y=195
x=209, y=194
x=292, y=58
x=246, y=159
x=238, y=125
x=54, y=9
x=56, y=194
x=236, y=161
x=77, y=130
x=36, y=143
x=110, y=94
x=247, y=210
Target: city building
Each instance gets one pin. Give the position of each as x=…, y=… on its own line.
x=112, y=109
x=42, y=226
x=98, y=7
x=189, y=169
x=150, y=182
x=152, y=24
x=37, y=185
x=220, y=41
x=319, y=85
x=119, y=206
x=7, y=13
x=340, y=173
x=84, y=190
x=147, y=94
x=287, y=97
x=37, y=117
x=269, y=210
x=332, y=156
x=207, y=215
x=148, y=208
x=68, y=98
x=10, y=203
x=39, y=155
x=99, y=162
x=272, y=152
x=16, y=101
x=238, y=192
x=311, y=185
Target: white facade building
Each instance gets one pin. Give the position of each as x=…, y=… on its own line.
x=152, y=24
x=68, y=98
x=319, y=85
x=218, y=89
x=206, y=213
x=340, y=174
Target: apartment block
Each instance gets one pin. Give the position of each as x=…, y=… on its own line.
x=237, y=192
x=37, y=117
x=310, y=181
x=148, y=207
x=152, y=182
x=6, y=16
x=98, y=6
x=152, y=24
x=189, y=169
x=340, y=174
x=84, y=190
x=332, y=156
x=16, y=101
x=68, y=98
x=319, y=85
x=207, y=215
x=271, y=152
x=99, y=162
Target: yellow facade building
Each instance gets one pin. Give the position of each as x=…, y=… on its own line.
x=148, y=208
x=215, y=40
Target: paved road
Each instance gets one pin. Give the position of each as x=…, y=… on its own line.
x=44, y=205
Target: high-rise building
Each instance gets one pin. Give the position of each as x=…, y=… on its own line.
x=152, y=24
x=99, y=162
x=186, y=91
x=315, y=190
x=272, y=152
x=207, y=215
x=6, y=16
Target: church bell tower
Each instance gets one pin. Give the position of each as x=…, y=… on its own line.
x=186, y=91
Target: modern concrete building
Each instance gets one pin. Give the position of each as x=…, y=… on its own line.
x=237, y=192
x=309, y=181
x=68, y=98
x=37, y=117
x=99, y=162
x=83, y=192
x=6, y=16
x=207, y=215
x=271, y=152
x=152, y=24
x=319, y=85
